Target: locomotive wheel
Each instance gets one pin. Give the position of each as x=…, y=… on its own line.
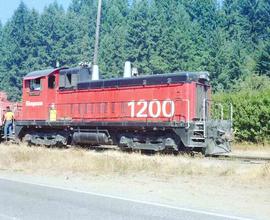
x=45, y=139
x=151, y=141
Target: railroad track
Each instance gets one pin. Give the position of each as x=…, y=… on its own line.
x=244, y=158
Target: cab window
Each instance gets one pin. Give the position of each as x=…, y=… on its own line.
x=51, y=82
x=68, y=80
x=35, y=84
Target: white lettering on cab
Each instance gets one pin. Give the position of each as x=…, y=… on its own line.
x=33, y=104
x=153, y=109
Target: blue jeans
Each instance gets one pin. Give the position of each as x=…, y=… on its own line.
x=8, y=128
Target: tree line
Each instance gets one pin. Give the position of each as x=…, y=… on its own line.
x=229, y=38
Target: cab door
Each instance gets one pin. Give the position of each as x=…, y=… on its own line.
x=51, y=94
x=34, y=99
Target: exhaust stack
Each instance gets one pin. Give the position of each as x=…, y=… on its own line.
x=127, y=70
x=95, y=73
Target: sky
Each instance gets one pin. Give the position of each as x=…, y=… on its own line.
x=7, y=7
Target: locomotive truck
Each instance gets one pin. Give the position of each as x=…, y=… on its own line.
x=64, y=106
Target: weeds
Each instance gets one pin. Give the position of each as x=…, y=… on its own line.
x=88, y=162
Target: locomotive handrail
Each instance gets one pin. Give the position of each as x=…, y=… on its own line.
x=204, y=117
x=231, y=114
x=221, y=110
x=188, y=112
x=205, y=101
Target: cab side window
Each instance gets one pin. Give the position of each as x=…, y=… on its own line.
x=51, y=82
x=35, y=84
x=68, y=79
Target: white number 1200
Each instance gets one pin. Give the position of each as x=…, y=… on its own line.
x=153, y=109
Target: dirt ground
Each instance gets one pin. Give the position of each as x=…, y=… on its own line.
x=226, y=187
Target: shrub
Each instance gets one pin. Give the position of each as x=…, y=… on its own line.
x=251, y=102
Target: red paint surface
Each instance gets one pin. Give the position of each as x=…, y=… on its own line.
x=108, y=104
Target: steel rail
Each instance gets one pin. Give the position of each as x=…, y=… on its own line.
x=245, y=158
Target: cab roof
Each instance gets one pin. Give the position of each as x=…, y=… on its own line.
x=40, y=73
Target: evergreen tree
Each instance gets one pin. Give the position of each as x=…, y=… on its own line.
x=176, y=45
x=137, y=41
x=263, y=64
x=19, y=42
x=232, y=21
x=157, y=32
x=52, y=35
x=84, y=14
x=257, y=19
x=112, y=51
x=230, y=40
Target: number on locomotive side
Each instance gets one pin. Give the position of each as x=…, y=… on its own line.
x=141, y=113
x=153, y=109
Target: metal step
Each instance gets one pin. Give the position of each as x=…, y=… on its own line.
x=198, y=130
x=199, y=123
x=197, y=138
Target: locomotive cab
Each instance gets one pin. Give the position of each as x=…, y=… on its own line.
x=40, y=89
x=39, y=92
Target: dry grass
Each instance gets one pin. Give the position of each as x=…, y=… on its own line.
x=88, y=163
x=252, y=149
x=251, y=146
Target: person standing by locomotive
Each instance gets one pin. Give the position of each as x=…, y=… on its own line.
x=8, y=122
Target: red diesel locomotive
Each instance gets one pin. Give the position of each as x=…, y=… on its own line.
x=158, y=112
